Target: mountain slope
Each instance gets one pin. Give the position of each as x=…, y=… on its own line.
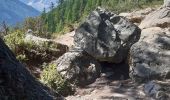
x=70, y=12
x=13, y=11
x=40, y=4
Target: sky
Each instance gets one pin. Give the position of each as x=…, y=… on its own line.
x=40, y=4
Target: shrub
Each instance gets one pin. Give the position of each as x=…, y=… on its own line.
x=53, y=79
x=28, y=51
x=15, y=41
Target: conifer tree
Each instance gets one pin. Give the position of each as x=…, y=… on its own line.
x=71, y=11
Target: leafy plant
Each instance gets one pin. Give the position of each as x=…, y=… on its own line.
x=28, y=51
x=15, y=40
x=22, y=58
x=53, y=79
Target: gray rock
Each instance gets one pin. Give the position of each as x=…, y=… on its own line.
x=106, y=36
x=158, y=18
x=150, y=56
x=155, y=91
x=78, y=67
x=166, y=3
x=151, y=88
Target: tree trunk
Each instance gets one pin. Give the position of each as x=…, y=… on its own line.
x=16, y=82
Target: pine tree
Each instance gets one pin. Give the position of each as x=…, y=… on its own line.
x=52, y=6
x=51, y=22
x=71, y=11
x=44, y=15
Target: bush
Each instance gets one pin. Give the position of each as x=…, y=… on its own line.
x=15, y=41
x=27, y=51
x=37, y=25
x=53, y=79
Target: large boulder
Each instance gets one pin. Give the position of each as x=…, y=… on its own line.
x=158, y=18
x=106, y=36
x=150, y=56
x=166, y=3
x=78, y=67
x=16, y=82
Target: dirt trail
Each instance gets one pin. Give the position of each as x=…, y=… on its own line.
x=66, y=39
x=104, y=89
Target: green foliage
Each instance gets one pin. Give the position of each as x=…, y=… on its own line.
x=71, y=11
x=26, y=51
x=15, y=41
x=53, y=79
x=37, y=25
x=22, y=58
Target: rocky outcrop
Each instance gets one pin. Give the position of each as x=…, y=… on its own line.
x=35, y=39
x=106, y=36
x=45, y=50
x=150, y=57
x=78, y=67
x=166, y=3
x=17, y=83
x=43, y=41
x=158, y=18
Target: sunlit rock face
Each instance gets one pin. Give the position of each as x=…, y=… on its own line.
x=150, y=57
x=158, y=18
